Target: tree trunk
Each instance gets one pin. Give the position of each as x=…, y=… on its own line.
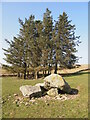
x=48, y=72
x=27, y=74
x=55, y=68
x=24, y=74
x=25, y=66
x=36, y=74
x=18, y=74
x=43, y=73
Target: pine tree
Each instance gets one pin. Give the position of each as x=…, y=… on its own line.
x=29, y=35
x=47, y=39
x=14, y=56
x=65, y=43
x=70, y=41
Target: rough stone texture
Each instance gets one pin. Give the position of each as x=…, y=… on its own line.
x=53, y=92
x=56, y=81
x=41, y=85
x=30, y=91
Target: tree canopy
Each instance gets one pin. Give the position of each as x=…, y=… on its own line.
x=42, y=45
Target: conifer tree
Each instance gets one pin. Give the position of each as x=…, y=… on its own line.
x=47, y=38
x=14, y=56
x=31, y=48
x=65, y=43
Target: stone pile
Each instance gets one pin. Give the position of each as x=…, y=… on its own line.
x=53, y=84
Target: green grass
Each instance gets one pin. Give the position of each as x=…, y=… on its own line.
x=73, y=108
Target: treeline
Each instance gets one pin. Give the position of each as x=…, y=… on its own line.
x=42, y=45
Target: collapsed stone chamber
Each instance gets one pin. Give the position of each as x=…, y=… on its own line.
x=53, y=85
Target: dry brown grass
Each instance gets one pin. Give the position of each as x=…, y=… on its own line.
x=82, y=67
x=4, y=72
x=63, y=71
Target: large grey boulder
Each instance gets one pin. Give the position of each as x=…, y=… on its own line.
x=56, y=81
x=31, y=91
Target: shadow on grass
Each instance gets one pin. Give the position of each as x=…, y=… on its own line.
x=73, y=92
x=81, y=72
x=75, y=74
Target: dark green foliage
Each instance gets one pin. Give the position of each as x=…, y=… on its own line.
x=42, y=45
x=64, y=42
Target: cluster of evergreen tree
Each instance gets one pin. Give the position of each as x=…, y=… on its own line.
x=42, y=45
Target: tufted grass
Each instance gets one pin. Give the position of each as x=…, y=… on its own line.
x=73, y=108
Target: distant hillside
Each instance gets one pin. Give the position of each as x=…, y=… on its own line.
x=4, y=72
x=83, y=67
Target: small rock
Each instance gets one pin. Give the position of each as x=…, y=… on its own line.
x=2, y=102
x=32, y=98
x=36, y=98
x=11, y=113
x=15, y=94
x=26, y=104
x=57, y=97
x=63, y=97
x=32, y=101
x=47, y=104
x=53, y=92
x=21, y=102
x=19, y=98
x=14, y=102
x=45, y=101
x=9, y=96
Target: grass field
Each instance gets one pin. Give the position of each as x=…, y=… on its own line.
x=72, y=108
